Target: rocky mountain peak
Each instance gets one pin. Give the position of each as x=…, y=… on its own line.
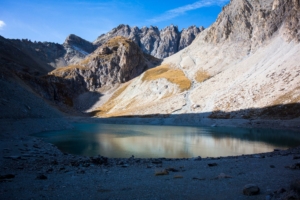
x=254, y=22
x=77, y=48
x=159, y=43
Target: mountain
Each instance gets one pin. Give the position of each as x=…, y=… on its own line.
x=246, y=65
x=49, y=56
x=116, y=61
x=77, y=49
x=52, y=55
x=158, y=43
x=35, y=64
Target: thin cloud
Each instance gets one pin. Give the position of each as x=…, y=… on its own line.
x=2, y=24
x=170, y=14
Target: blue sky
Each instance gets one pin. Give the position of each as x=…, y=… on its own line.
x=53, y=21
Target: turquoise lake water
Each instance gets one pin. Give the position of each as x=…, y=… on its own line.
x=150, y=141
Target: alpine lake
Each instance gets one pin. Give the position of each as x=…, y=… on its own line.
x=154, y=141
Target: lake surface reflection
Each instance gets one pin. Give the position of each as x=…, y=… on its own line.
x=145, y=141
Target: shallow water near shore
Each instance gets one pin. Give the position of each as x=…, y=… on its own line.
x=154, y=141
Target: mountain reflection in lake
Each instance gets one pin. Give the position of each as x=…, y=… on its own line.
x=145, y=141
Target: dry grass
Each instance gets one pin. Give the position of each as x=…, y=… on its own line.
x=116, y=41
x=60, y=70
x=202, y=76
x=86, y=60
x=175, y=76
x=289, y=97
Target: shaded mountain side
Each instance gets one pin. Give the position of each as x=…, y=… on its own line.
x=242, y=61
x=20, y=60
x=158, y=43
x=50, y=55
x=117, y=61
x=18, y=101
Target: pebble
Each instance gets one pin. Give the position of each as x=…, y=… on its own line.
x=41, y=177
x=296, y=157
x=251, y=189
x=157, y=161
x=125, y=165
x=212, y=164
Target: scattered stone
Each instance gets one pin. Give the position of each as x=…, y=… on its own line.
x=171, y=169
x=161, y=173
x=294, y=166
x=251, y=189
x=120, y=163
x=6, y=177
x=272, y=166
x=99, y=160
x=200, y=179
x=198, y=158
x=296, y=157
x=212, y=164
x=41, y=177
x=62, y=168
x=12, y=157
x=49, y=170
x=125, y=166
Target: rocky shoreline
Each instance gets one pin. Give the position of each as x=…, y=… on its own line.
x=33, y=169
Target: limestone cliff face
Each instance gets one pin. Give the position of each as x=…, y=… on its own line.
x=76, y=49
x=158, y=43
x=188, y=35
x=116, y=61
x=254, y=22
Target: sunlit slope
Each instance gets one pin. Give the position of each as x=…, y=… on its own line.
x=248, y=59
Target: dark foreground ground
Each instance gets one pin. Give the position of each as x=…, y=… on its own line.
x=33, y=169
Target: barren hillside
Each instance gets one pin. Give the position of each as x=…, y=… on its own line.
x=246, y=65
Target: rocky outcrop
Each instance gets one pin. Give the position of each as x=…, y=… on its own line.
x=188, y=35
x=254, y=22
x=77, y=49
x=158, y=43
x=116, y=61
